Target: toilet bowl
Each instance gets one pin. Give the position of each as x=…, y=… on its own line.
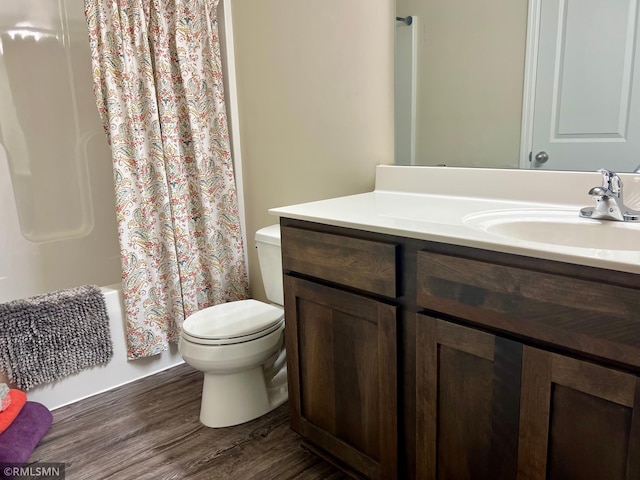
x=239, y=346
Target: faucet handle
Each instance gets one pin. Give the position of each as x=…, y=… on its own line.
x=611, y=181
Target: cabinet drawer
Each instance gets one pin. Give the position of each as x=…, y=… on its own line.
x=362, y=264
x=586, y=316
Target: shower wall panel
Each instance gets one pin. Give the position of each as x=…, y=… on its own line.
x=57, y=212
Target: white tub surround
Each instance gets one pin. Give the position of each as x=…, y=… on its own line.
x=458, y=206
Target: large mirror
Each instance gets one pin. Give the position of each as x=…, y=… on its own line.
x=518, y=84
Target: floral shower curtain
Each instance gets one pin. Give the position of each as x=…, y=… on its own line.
x=158, y=86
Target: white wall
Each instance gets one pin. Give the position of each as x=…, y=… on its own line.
x=315, y=92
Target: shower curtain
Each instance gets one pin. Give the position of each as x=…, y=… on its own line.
x=158, y=86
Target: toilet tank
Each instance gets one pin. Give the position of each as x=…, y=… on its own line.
x=270, y=259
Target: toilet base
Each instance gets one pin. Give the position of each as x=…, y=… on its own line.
x=237, y=398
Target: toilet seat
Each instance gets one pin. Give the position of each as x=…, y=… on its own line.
x=233, y=322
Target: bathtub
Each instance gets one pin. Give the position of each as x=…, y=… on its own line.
x=118, y=371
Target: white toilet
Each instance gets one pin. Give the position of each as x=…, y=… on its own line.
x=240, y=347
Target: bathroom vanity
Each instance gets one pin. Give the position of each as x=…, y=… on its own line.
x=423, y=344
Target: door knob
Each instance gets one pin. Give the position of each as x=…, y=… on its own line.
x=542, y=157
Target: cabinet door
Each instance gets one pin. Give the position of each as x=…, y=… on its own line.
x=577, y=420
x=342, y=367
x=467, y=402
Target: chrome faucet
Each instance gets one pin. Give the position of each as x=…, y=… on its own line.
x=609, y=203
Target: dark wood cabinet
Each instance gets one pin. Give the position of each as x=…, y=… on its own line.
x=493, y=408
x=415, y=359
x=578, y=420
x=539, y=369
x=342, y=360
x=468, y=398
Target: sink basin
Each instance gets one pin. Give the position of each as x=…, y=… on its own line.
x=557, y=227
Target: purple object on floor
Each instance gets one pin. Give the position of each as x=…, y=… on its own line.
x=20, y=439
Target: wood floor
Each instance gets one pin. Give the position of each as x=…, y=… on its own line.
x=150, y=430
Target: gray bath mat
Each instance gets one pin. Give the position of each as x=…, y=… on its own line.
x=50, y=336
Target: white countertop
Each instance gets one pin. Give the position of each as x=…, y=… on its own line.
x=436, y=204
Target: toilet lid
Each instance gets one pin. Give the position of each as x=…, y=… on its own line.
x=232, y=320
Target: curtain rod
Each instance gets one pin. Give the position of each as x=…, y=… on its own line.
x=408, y=20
